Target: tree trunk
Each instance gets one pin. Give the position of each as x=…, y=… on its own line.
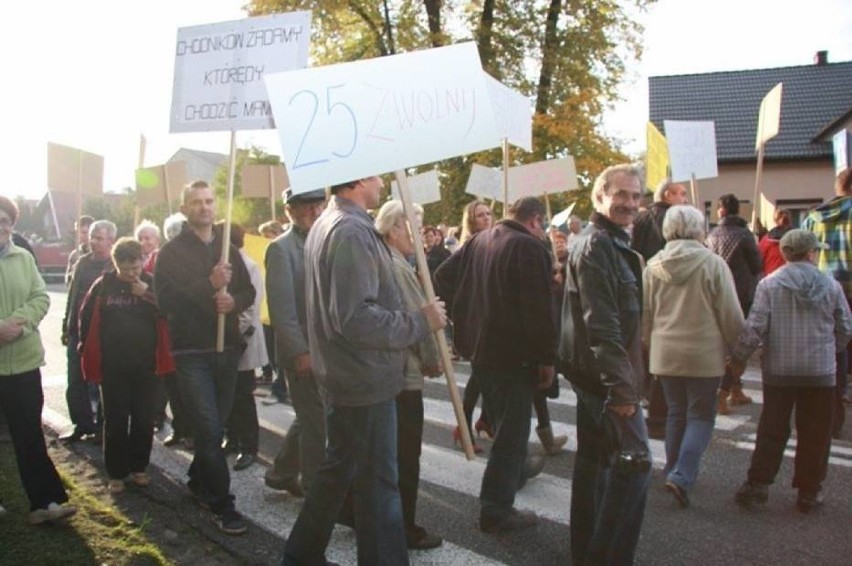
x=433, y=13
x=548, y=58
x=374, y=28
x=486, y=49
x=389, y=28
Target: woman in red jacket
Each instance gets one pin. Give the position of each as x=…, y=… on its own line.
x=769, y=244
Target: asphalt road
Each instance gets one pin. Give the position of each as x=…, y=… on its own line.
x=714, y=530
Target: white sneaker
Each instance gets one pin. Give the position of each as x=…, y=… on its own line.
x=53, y=512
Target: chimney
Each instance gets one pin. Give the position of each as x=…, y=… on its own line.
x=821, y=58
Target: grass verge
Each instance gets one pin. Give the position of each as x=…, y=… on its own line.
x=97, y=534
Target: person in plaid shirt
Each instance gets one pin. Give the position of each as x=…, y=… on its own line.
x=832, y=223
x=801, y=318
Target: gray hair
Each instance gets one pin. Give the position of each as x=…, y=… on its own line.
x=106, y=226
x=146, y=225
x=605, y=179
x=660, y=192
x=173, y=224
x=683, y=222
x=390, y=214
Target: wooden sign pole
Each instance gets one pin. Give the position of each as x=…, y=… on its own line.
x=137, y=211
x=547, y=206
x=272, y=191
x=756, y=188
x=226, y=236
x=505, y=177
x=693, y=188
x=168, y=188
x=79, y=196
x=426, y=279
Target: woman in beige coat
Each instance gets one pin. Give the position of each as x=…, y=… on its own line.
x=691, y=318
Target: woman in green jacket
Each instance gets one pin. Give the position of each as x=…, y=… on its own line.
x=23, y=303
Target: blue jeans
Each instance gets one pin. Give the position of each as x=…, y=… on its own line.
x=507, y=398
x=689, y=426
x=207, y=382
x=607, y=499
x=361, y=452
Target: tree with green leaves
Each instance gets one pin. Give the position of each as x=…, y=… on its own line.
x=568, y=56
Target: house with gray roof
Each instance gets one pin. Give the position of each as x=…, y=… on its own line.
x=798, y=168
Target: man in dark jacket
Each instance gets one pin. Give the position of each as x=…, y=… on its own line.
x=647, y=239
x=734, y=242
x=601, y=345
x=502, y=309
x=193, y=287
x=86, y=270
x=647, y=235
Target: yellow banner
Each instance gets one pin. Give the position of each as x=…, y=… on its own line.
x=255, y=247
x=656, y=158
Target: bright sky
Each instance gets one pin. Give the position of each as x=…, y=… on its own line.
x=95, y=74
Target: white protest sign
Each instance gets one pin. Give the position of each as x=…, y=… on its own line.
x=692, y=149
x=71, y=170
x=219, y=70
x=769, y=120
x=842, y=150
x=484, y=182
x=353, y=120
x=543, y=177
x=562, y=217
x=512, y=113
x=425, y=188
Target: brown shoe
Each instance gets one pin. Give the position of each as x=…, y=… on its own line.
x=738, y=397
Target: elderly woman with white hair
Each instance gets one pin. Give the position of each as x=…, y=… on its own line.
x=423, y=359
x=691, y=318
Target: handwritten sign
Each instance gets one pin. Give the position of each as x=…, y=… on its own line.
x=562, y=217
x=263, y=181
x=219, y=70
x=656, y=158
x=842, y=144
x=161, y=183
x=769, y=119
x=484, y=182
x=425, y=188
x=543, y=177
x=353, y=120
x=71, y=170
x=512, y=113
x=692, y=149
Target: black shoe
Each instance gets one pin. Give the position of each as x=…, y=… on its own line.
x=292, y=486
x=97, y=438
x=809, y=500
x=679, y=493
x=752, y=492
x=514, y=521
x=419, y=538
x=172, y=440
x=230, y=522
x=243, y=461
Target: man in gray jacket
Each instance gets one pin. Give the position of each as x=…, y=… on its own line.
x=358, y=333
x=304, y=445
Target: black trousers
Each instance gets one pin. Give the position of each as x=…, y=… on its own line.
x=409, y=418
x=243, y=427
x=21, y=400
x=180, y=422
x=813, y=407
x=128, y=397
